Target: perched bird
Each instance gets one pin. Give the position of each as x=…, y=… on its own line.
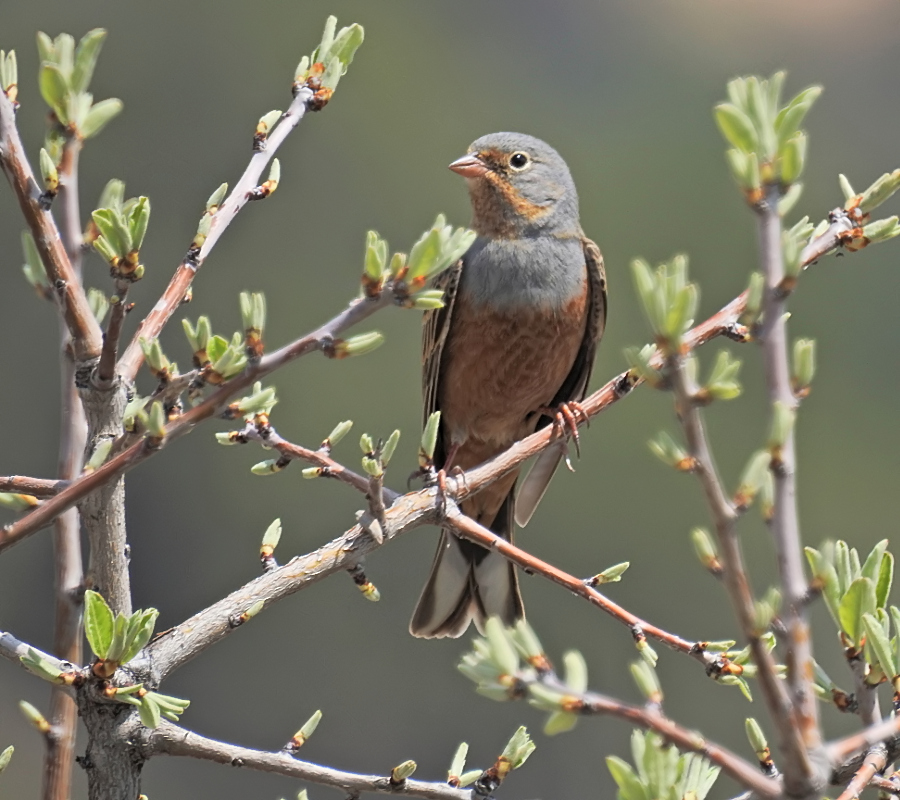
x=511, y=351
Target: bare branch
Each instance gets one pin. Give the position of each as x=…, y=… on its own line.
x=59, y=757
x=875, y=761
x=36, y=487
x=745, y=773
x=785, y=525
x=187, y=640
x=67, y=290
x=844, y=749
x=467, y=528
x=175, y=292
x=169, y=739
x=734, y=573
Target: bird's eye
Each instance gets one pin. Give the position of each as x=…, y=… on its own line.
x=518, y=161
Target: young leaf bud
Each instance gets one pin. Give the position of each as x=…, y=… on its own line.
x=390, y=445
x=37, y=720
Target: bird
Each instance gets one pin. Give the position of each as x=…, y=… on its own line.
x=511, y=351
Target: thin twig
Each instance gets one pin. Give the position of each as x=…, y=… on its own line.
x=36, y=487
x=59, y=757
x=732, y=764
x=467, y=528
x=156, y=320
x=866, y=695
x=784, y=523
x=842, y=750
x=874, y=763
x=169, y=739
x=67, y=290
x=106, y=368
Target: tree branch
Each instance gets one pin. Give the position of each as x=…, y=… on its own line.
x=784, y=524
x=67, y=290
x=169, y=739
x=59, y=757
x=467, y=528
x=734, y=572
x=36, y=487
x=173, y=296
x=875, y=762
x=745, y=773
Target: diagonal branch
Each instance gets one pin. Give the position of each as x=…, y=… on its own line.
x=169, y=739
x=467, y=528
x=174, y=294
x=67, y=290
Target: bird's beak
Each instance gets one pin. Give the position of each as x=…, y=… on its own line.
x=469, y=166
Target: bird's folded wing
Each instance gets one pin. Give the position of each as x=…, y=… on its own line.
x=435, y=327
x=574, y=387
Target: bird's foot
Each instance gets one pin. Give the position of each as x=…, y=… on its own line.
x=566, y=417
x=438, y=478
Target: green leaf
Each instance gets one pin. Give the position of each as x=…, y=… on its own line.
x=117, y=645
x=99, y=115
x=86, y=55
x=885, y=578
x=859, y=599
x=576, y=671
x=54, y=89
x=216, y=347
x=140, y=630
x=560, y=722
x=149, y=711
x=98, y=623
x=737, y=127
x=137, y=224
x=5, y=756
x=872, y=565
x=630, y=786
x=878, y=640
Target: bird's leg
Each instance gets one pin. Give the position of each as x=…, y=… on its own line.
x=438, y=477
x=565, y=423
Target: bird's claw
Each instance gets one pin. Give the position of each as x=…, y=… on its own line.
x=565, y=425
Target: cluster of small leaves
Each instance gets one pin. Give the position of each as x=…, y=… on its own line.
x=376, y=457
x=768, y=145
x=37, y=664
x=860, y=205
x=856, y=595
x=9, y=75
x=669, y=299
x=152, y=705
x=117, y=229
x=65, y=74
x=329, y=61
x=661, y=772
x=121, y=229
x=433, y=252
x=115, y=640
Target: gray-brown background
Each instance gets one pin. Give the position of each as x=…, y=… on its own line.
x=624, y=91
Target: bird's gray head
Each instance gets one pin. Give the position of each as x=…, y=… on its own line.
x=519, y=186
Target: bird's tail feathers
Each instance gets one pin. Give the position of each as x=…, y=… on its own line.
x=535, y=484
x=468, y=583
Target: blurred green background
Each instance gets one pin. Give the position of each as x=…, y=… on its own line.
x=624, y=91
